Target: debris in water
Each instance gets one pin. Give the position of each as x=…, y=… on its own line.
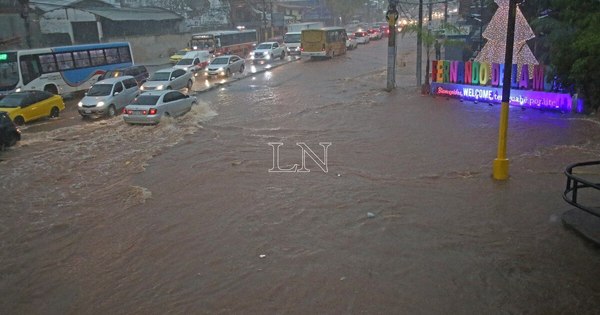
x=262, y=255
x=339, y=175
x=370, y=215
x=342, y=278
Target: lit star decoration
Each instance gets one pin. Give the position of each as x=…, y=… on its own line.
x=495, y=33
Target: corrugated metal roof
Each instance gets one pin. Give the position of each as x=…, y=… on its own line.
x=133, y=14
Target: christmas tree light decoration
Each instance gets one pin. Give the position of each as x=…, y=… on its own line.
x=495, y=33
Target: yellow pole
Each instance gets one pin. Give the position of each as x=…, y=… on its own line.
x=501, y=163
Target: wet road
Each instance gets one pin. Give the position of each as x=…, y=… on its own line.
x=184, y=217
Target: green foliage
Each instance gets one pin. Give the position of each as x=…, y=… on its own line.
x=572, y=45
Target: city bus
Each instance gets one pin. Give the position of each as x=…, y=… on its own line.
x=324, y=42
x=238, y=42
x=60, y=70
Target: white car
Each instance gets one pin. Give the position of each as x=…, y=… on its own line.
x=351, y=42
x=362, y=37
x=150, y=107
x=267, y=51
x=194, y=61
x=169, y=79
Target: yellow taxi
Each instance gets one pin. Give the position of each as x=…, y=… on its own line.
x=178, y=55
x=26, y=106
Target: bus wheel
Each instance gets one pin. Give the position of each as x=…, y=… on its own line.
x=51, y=89
x=19, y=120
x=54, y=112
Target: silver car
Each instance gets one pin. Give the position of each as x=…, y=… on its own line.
x=225, y=66
x=151, y=106
x=108, y=97
x=169, y=79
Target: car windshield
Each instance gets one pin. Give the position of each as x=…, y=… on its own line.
x=13, y=100
x=100, y=90
x=264, y=46
x=185, y=61
x=160, y=76
x=220, y=61
x=146, y=100
x=291, y=38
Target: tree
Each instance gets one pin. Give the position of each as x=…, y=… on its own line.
x=571, y=28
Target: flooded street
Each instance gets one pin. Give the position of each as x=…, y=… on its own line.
x=184, y=218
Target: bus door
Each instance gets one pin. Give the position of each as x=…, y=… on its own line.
x=30, y=68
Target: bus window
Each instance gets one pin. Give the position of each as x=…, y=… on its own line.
x=81, y=58
x=48, y=63
x=97, y=57
x=112, y=56
x=64, y=61
x=124, y=55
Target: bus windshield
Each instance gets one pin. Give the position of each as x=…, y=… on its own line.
x=203, y=44
x=291, y=38
x=9, y=71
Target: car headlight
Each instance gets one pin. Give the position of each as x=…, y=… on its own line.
x=100, y=104
x=142, y=87
x=160, y=87
x=220, y=69
x=268, y=57
x=18, y=90
x=80, y=104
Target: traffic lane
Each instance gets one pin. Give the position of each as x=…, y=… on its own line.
x=71, y=117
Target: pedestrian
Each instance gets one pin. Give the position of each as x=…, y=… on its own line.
x=438, y=50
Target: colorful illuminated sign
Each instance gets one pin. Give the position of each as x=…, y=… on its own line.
x=483, y=81
x=524, y=98
x=3, y=57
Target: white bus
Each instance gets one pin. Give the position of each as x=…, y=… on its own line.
x=60, y=70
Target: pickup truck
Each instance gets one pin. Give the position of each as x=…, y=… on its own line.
x=267, y=51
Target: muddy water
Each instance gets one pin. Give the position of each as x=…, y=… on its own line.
x=184, y=217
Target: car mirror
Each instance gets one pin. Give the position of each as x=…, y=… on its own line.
x=85, y=94
x=173, y=78
x=187, y=96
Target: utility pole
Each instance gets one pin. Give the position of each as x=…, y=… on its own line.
x=445, y=12
x=391, y=16
x=428, y=45
x=25, y=16
x=501, y=163
x=420, y=45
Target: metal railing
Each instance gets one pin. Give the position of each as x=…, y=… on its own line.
x=574, y=183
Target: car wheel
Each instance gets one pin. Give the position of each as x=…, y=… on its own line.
x=190, y=84
x=242, y=69
x=282, y=55
x=54, y=112
x=228, y=73
x=19, y=120
x=112, y=111
x=12, y=139
x=272, y=57
x=51, y=89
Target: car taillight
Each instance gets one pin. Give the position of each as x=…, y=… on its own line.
x=124, y=111
x=130, y=112
x=152, y=111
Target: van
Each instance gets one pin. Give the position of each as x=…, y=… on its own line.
x=108, y=97
x=139, y=72
x=194, y=61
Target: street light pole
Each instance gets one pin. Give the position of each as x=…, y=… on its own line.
x=501, y=163
x=420, y=44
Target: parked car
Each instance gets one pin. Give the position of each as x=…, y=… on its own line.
x=225, y=66
x=351, y=42
x=267, y=51
x=151, y=106
x=194, y=61
x=169, y=79
x=108, y=97
x=29, y=105
x=178, y=55
x=9, y=133
x=139, y=72
x=362, y=37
